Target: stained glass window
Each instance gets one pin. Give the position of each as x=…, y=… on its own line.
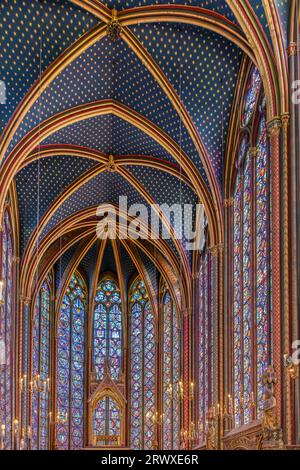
x=251, y=261
x=107, y=331
x=206, y=335
x=107, y=421
x=70, y=365
x=252, y=93
x=40, y=370
x=171, y=375
x=262, y=218
x=6, y=331
x=143, y=368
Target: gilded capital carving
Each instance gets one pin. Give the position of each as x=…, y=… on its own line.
x=216, y=250
x=25, y=300
x=253, y=151
x=292, y=49
x=285, y=120
x=228, y=202
x=274, y=126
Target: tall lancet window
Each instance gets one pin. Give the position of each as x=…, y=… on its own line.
x=170, y=375
x=6, y=331
x=251, y=260
x=41, y=369
x=107, y=331
x=206, y=334
x=70, y=365
x=143, y=368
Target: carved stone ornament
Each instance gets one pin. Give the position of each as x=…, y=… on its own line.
x=211, y=433
x=114, y=29
x=111, y=165
x=211, y=437
x=272, y=432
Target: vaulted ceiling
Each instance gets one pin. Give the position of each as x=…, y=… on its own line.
x=159, y=100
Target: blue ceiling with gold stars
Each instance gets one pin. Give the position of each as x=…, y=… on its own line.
x=201, y=66
x=111, y=135
x=47, y=178
x=283, y=7
x=33, y=34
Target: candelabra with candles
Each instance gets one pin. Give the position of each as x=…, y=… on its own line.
x=189, y=437
x=37, y=384
x=156, y=417
x=244, y=406
x=61, y=417
x=191, y=391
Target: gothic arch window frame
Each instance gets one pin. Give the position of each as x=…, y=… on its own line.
x=245, y=383
x=60, y=411
x=40, y=434
x=107, y=276
x=8, y=320
x=172, y=386
x=206, y=328
x=147, y=413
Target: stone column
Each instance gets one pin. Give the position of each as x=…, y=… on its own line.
x=294, y=220
x=274, y=127
x=218, y=256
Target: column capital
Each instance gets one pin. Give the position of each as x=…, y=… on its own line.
x=274, y=126
x=228, y=202
x=25, y=300
x=292, y=49
x=253, y=152
x=285, y=119
x=216, y=250
x=187, y=312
